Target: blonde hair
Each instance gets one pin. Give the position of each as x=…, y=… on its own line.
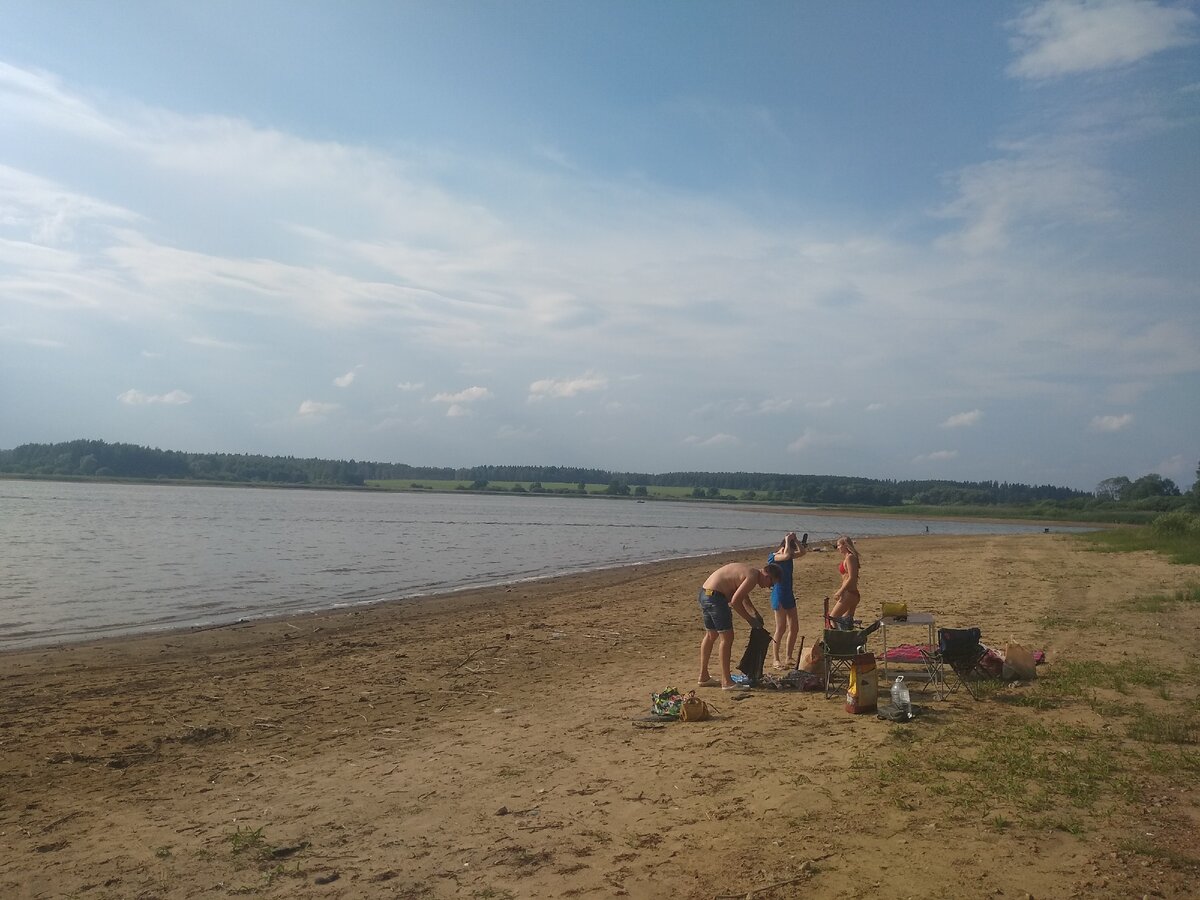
x=850, y=546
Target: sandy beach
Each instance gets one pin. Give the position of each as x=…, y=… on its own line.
x=485, y=746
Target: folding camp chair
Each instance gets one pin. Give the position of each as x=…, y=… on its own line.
x=955, y=662
x=839, y=649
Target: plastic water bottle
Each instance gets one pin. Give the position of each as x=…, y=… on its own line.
x=900, y=697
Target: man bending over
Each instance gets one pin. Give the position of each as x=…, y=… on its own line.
x=725, y=592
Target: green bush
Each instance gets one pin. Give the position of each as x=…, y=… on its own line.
x=1177, y=523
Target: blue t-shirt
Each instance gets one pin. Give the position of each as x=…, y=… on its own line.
x=781, y=592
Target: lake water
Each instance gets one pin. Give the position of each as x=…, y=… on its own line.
x=80, y=561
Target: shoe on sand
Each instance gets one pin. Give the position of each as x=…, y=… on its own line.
x=708, y=682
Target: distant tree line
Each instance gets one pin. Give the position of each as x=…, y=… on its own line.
x=1151, y=492
x=91, y=458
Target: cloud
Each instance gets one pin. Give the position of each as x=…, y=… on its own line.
x=810, y=439
x=936, y=456
x=566, y=387
x=344, y=381
x=410, y=386
x=717, y=440
x=214, y=344
x=774, y=405
x=469, y=395
x=1111, y=423
x=1065, y=37
x=1052, y=185
x=827, y=403
x=875, y=407
x=1175, y=467
x=134, y=397
x=963, y=419
x=314, y=408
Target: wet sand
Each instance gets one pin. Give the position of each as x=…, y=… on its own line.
x=485, y=745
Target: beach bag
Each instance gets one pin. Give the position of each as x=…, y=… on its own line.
x=863, y=694
x=1018, y=662
x=667, y=703
x=895, y=609
x=693, y=709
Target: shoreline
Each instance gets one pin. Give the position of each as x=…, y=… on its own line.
x=781, y=507
x=450, y=602
x=496, y=747
x=465, y=594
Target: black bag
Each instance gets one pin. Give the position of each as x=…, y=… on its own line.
x=755, y=656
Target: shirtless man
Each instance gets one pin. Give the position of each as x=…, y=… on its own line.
x=726, y=591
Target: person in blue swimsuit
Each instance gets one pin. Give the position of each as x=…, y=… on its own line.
x=783, y=598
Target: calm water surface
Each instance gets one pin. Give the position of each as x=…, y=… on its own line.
x=80, y=561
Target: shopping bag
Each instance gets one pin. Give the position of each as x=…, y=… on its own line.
x=1018, y=662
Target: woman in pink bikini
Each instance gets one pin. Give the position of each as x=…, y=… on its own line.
x=846, y=598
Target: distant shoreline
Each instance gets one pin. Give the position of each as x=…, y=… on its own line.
x=767, y=506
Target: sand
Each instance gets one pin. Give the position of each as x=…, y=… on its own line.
x=484, y=745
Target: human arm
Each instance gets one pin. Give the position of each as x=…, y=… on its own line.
x=740, y=601
x=789, y=548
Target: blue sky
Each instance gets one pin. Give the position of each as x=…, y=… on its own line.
x=896, y=240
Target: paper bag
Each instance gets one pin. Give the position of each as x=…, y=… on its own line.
x=1018, y=662
x=811, y=659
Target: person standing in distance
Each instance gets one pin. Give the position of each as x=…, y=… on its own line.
x=846, y=598
x=783, y=597
x=724, y=592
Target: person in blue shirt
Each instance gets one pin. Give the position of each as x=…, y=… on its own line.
x=783, y=598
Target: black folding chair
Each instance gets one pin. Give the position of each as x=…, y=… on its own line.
x=839, y=649
x=955, y=662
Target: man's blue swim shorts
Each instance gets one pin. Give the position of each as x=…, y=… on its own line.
x=714, y=607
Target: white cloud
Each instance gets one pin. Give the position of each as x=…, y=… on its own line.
x=1038, y=186
x=457, y=410
x=314, y=408
x=410, y=386
x=49, y=215
x=716, y=440
x=1111, y=423
x=214, y=344
x=566, y=387
x=810, y=439
x=514, y=433
x=875, y=407
x=963, y=419
x=1064, y=37
x=469, y=395
x=346, y=380
x=773, y=405
x=1176, y=467
x=936, y=456
x=134, y=397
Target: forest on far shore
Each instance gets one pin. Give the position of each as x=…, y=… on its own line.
x=101, y=460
